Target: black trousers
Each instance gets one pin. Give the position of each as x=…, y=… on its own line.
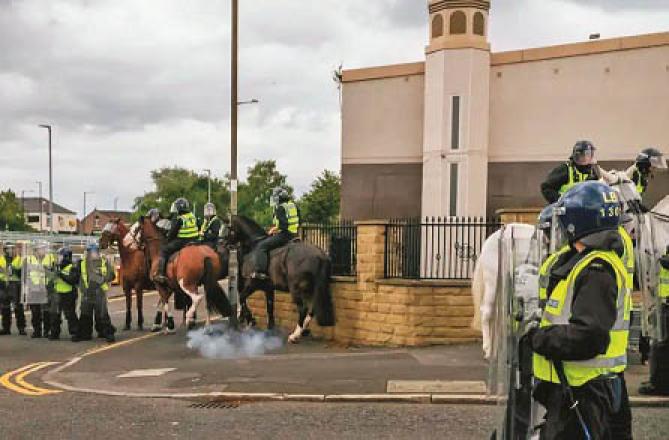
x=621, y=423
x=40, y=319
x=65, y=304
x=261, y=254
x=174, y=246
x=94, y=306
x=11, y=296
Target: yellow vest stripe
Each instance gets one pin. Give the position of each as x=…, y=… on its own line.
x=188, y=226
x=84, y=273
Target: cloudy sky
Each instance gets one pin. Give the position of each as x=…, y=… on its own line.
x=134, y=85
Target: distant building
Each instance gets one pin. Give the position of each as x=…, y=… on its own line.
x=98, y=218
x=36, y=211
x=465, y=132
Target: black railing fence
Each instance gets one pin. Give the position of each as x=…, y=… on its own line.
x=338, y=240
x=436, y=247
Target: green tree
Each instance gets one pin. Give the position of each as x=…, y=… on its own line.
x=254, y=194
x=172, y=183
x=11, y=212
x=321, y=203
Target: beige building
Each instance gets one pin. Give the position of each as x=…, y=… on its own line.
x=467, y=131
x=36, y=211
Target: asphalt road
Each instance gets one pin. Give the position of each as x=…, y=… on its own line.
x=74, y=415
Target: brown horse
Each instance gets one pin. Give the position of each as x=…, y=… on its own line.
x=134, y=268
x=192, y=266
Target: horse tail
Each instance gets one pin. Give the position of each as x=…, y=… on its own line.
x=217, y=300
x=477, y=294
x=323, y=306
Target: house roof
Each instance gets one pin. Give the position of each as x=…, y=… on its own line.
x=32, y=205
x=124, y=215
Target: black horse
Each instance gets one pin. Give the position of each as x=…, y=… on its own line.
x=299, y=268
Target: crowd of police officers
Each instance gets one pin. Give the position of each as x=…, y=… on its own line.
x=575, y=347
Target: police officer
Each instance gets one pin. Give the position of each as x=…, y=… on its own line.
x=211, y=227
x=580, y=167
x=641, y=172
x=286, y=221
x=13, y=293
x=182, y=232
x=5, y=305
x=37, y=276
x=95, y=274
x=580, y=345
x=659, y=353
x=65, y=295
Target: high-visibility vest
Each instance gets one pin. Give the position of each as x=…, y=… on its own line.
x=16, y=266
x=60, y=285
x=205, y=225
x=36, y=276
x=545, y=272
x=558, y=312
x=628, y=255
x=638, y=178
x=103, y=270
x=3, y=268
x=291, y=215
x=575, y=176
x=188, y=227
x=663, y=283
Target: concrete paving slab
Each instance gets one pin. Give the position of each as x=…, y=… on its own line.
x=436, y=386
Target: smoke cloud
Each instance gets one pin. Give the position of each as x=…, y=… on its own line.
x=222, y=342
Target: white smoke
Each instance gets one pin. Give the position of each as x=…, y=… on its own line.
x=221, y=342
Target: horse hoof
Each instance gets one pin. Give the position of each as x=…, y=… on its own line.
x=190, y=325
x=293, y=339
x=306, y=332
x=156, y=329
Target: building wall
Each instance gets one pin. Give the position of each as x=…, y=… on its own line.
x=619, y=100
x=370, y=191
x=66, y=223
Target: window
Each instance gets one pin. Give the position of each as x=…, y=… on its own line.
x=33, y=219
x=97, y=221
x=437, y=26
x=458, y=23
x=479, y=24
x=455, y=123
x=453, y=200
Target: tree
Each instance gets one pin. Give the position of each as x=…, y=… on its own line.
x=172, y=183
x=321, y=203
x=254, y=194
x=11, y=213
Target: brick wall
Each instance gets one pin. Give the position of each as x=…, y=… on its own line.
x=373, y=311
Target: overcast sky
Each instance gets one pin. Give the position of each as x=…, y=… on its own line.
x=134, y=85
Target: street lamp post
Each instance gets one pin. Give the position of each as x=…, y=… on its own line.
x=208, y=171
x=39, y=183
x=84, y=214
x=233, y=269
x=48, y=127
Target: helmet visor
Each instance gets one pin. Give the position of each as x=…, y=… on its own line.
x=209, y=210
x=659, y=162
x=584, y=157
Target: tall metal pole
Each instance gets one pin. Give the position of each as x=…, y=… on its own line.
x=208, y=184
x=48, y=127
x=40, y=205
x=233, y=270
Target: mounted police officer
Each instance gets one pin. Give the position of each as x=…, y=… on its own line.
x=659, y=353
x=211, y=227
x=580, y=345
x=95, y=275
x=65, y=295
x=580, y=167
x=182, y=232
x=286, y=221
x=12, y=272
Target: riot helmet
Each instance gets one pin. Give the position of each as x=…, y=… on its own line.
x=209, y=210
x=64, y=256
x=279, y=195
x=153, y=214
x=180, y=206
x=93, y=251
x=583, y=153
x=654, y=157
x=587, y=208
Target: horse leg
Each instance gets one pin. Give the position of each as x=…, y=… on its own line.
x=158, y=321
x=245, y=313
x=295, y=337
x=127, y=290
x=196, y=297
x=170, y=319
x=140, y=307
x=269, y=298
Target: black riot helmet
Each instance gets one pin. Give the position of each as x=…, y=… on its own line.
x=64, y=256
x=181, y=205
x=583, y=153
x=651, y=158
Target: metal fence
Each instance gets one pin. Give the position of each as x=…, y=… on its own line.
x=77, y=243
x=435, y=248
x=338, y=240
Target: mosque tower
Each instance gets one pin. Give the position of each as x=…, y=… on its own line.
x=457, y=109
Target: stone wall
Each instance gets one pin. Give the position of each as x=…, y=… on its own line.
x=371, y=310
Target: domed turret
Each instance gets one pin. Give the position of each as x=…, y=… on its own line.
x=458, y=24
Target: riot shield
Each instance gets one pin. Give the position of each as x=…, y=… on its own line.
x=516, y=301
x=653, y=239
x=33, y=273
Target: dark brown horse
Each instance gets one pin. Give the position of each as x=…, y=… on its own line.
x=299, y=268
x=192, y=266
x=134, y=268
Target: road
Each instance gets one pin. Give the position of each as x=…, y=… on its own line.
x=314, y=367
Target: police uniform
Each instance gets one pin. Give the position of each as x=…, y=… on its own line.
x=39, y=312
x=210, y=230
x=12, y=296
x=95, y=275
x=580, y=346
x=64, y=300
x=182, y=232
x=286, y=220
x=563, y=177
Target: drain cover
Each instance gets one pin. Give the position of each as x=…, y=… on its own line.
x=215, y=405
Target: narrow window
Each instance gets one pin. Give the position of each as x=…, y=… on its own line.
x=479, y=24
x=458, y=23
x=455, y=123
x=437, y=26
x=453, y=202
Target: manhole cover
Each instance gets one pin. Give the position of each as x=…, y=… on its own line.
x=215, y=405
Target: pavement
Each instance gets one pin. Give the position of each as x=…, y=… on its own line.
x=358, y=384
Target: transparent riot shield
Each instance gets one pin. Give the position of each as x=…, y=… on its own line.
x=653, y=240
x=33, y=273
x=516, y=301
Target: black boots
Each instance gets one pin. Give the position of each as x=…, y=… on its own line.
x=160, y=276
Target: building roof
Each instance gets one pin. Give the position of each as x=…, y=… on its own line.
x=124, y=215
x=520, y=56
x=32, y=204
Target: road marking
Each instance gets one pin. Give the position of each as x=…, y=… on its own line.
x=102, y=348
x=23, y=387
x=149, y=372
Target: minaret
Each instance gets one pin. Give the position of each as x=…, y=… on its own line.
x=457, y=101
